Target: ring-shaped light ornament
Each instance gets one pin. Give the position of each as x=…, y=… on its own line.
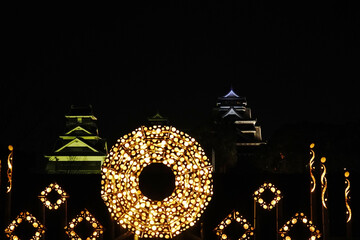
x=120, y=181
x=265, y=205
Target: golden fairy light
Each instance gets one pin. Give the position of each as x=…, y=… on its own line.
x=234, y=217
x=258, y=198
x=311, y=167
x=299, y=218
x=347, y=197
x=136, y=212
x=10, y=168
x=53, y=205
x=87, y=216
x=323, y=181
x=25, y=216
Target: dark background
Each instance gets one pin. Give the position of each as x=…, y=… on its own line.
x=294, y=61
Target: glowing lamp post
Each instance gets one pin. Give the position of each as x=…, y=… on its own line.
x=312, y=182
x=273, y=203
x=348, y=213
x=10, y=168
x=140, y=214
x=324, y=198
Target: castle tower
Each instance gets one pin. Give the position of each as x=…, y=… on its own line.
x=237, y=131
x=232, y=108
x=158, y=119
x=79, y=150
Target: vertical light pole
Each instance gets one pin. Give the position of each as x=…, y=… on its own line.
x=324, y=196
x=10, y=181
x=348, y=213
x=10, y=168
x=312, y=183
x=255, y=205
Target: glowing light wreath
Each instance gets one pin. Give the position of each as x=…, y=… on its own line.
x=120, y=181
x=277, y=196
x=53, y=187
x=299, y=218
x=84, y=215
x=25, y=216
x=234, y=216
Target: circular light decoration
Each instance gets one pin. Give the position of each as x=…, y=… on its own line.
x=84, y=215
x=25, y=216
x=267, y=186
x=234, y=216
x=140, y=214
x=299, y=218
x=53, y=187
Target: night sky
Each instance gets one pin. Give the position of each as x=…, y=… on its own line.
x=294, y=61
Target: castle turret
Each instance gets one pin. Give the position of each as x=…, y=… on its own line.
x=79, y=150
x=237, y=131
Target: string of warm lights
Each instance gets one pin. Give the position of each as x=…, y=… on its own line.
x=120, y=181
x=87, y=216
x=323, y=181
x=53, y=187
x=267, y=186
x=311, y=167
x=299, y=218
x=234, y=216
x=10, y=168
x=25, y=216
x=347, y=197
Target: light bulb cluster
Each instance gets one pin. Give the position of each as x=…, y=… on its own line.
x=265, y=205
x=25, y=216
x=299, y=218
x=53, y=187
x=234, y=216
x=120, y=181
x=87, y=216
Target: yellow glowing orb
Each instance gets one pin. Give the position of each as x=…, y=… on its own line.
x=138, y=213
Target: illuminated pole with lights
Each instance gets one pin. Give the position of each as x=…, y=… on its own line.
x=348, y=213
x=312, y=182
x=10, y=158
x=53, y=206
x=10, y=168
x=274, y=203
x=324, y=196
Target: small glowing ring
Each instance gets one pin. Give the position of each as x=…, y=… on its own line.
x=120, y=181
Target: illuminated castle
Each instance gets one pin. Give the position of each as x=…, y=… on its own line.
x=79, y=150
x=238, y=136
